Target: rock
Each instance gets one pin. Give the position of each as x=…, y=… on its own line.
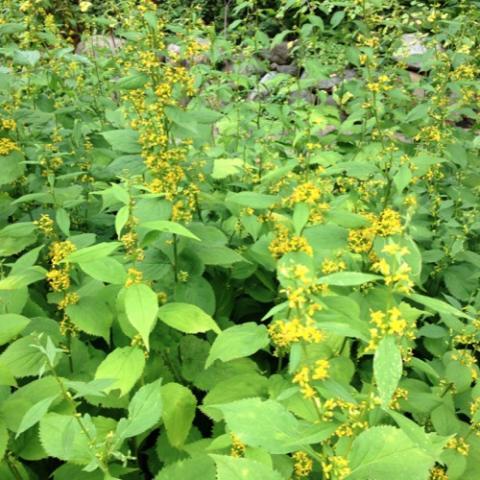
x=417, y=78
x=97, y=43
x=305, y=95
x=262, y=90
x=280, y=54
x=336, y=79
x=290, y=69
x=173, y=52
x=325, y=131
x=411, y=44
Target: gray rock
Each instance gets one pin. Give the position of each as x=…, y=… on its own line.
x=336, y=79
x=95, y=44
x=290, y=69
x=280, y=54
x=262, y=90
x=411, y=44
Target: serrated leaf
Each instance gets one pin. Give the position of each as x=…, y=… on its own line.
x=21, y=358
x=386, y=452
x=125, y=366
x=237, y=342
x=387, y=368
x=62, y=437
x=34, y=414
x=187, y=318
x=231, y=468
x=93, y=316
x=179, y=411
x=144, y=411
x=141, y=308
x=198, y=468
x=11, y=324
x=269, y=425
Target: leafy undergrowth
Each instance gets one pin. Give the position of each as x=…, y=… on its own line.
x=239, y=246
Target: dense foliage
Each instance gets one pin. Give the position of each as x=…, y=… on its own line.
x=239, y=240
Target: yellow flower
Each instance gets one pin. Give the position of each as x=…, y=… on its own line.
x=303, y=464
x=7, y=146
x=238, y=447
x=45, y=224
x=321, y=369
x=59, y=251
x=85, y=6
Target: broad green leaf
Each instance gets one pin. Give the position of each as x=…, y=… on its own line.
x=387, y=368
x=197, y=291
x=141, y=308
x=198, y=468
x=35, y=414
x=347, y=279
x=125, y=365
x=224, y=167
x=93, y=253
x=187, y=318
x=438, y=305
x=238, y=341
x=252, y=199
x=269, y=425
x=217, y=255
x=123, y=140
x=107, y=270
x=11, y=325
x=23, y=278
x=11, y=167
x=144, y=411
x=93, y=316
x=26, y=57
x=3, y=440
x=386, y=452
x=62, y=437
x=169, y=227
x=179, y=411
x=131, y=82
x=23, y=359
x=231, y=468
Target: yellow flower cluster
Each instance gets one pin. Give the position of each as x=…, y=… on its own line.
x=466, y=358
x=59, y=251
x=284, y=333
x=70, y=298
x=134, y=277
x=58, y=279
x=130, y=242
x=285, y=242
x=381, y=85
x=45, y=224
x=307, y=192
x=238, y=447
x=438, y=473
x=388, y=223
x=332, y=266
x=459, y=445
x=7, y=146
x=336, y=467
x=8, y=124
x=305, y=375
x=303, y=464
x=391, y=324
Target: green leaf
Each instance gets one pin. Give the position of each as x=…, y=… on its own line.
x=3, y=440
x=11, y=167
x=198, y=468
x=123, y=140
x=438, y=305
x=169, y=227
x=63, y=221
x=231, y=468
x=35, y=414
x=107, y=270
x=61, y=437
x=125, y=365
x=179, y=412
x=21, y=358
x=217, y=255
x=386, y=452
x=269, y=425
x=144, y=411
x=224, y=167
x=387, y=368
x=23, y=278
x=252, y=199
x=93, y=253
x=11, y=325
x=131, y=82
x=141, y=308
x=93, y=316
x=238, y=341
x=187, y=318
x=26, y=57
x=347, y=279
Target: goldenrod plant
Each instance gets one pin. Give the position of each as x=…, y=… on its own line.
x=239, y=240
